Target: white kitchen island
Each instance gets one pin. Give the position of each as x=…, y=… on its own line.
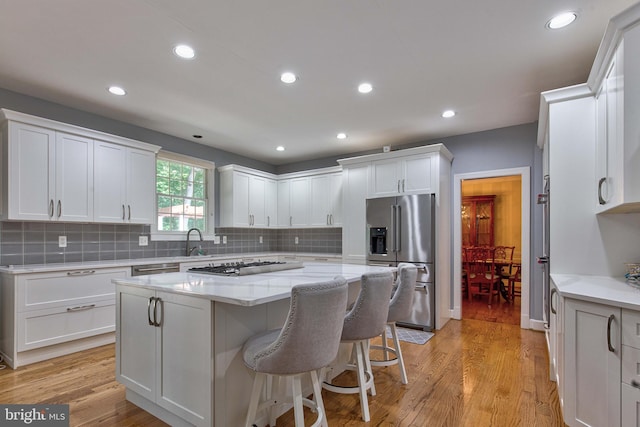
x=179, y=337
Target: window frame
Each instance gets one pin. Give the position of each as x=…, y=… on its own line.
x=209, y=168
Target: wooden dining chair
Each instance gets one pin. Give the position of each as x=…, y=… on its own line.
x=465, y=275
x=516, y=278
x=482, y=276
x=505, y=255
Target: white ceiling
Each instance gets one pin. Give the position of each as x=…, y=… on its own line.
x=488, y=60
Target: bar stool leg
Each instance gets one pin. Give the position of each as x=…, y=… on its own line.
x=396, y=344
x=317, y=395
x=362, y=382
x=297, y=400
x=256, y=391
x=367, y=362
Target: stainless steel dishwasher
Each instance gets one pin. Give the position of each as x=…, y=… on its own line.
x=167, y=267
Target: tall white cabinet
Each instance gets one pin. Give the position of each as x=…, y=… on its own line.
x=589, y=133
x=425, y=169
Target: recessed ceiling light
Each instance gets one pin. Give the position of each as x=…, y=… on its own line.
x=184, y=51
x=561, y=20
x=448, y=113
x=365, y=88
x=341, y=135
x=280, y=148
x=288, y=77
x=117, y=90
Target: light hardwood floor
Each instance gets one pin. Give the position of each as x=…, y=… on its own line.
x=471, y=373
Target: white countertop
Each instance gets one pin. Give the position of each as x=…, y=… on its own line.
x=43, y=268
x=603, y=290
x=252, y=289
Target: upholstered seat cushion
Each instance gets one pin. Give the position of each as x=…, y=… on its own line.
x=256, y=344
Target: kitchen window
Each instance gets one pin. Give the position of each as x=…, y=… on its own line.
x=183, y=195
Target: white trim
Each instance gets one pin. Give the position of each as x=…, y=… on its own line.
x=524, y=173
x=210, y=167
x=425, y=149
x=169, y=155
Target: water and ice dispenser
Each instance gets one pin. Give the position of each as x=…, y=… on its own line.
x=378, y=240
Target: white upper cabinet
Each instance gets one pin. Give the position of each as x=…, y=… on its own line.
x=299, y=202
x=293, y=202
x=284, y=201
x=618, y=127
x=54, y=171
x=49, y=175
x=326, y=200
x=247, y=198
x=124, y=184
x=409, y=175
x=271, y=202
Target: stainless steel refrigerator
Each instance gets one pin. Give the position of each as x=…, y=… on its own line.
x=402, y=229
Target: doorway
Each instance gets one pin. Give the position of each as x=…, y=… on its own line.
x=524, y=245
x=491, y=217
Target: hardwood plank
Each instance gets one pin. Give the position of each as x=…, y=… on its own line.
x=471, y=373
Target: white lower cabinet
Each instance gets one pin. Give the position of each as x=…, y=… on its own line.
x=592, y=364
x=46, y=315
x=167, y=369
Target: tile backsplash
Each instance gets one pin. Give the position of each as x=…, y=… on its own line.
x=37, y=242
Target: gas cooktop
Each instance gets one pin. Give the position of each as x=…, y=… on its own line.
x=242, y=268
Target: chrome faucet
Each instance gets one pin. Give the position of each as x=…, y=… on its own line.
x=188, y=250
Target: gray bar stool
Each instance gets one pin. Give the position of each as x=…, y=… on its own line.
x=399, y=309
x=365, y=320
x=308, y=341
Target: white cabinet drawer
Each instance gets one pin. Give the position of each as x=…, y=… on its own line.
x=630, y=365
x=56, y=325
x=65, y=289
x=631, y=328
x=630, y=406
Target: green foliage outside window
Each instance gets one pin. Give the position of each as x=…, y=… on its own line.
x=181, y=195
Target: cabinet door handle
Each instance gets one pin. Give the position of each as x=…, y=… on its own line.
x=129, y=207
x=59, y=208
x=155, y=312
x=330, y=219
x=290, y=221
x=398, y=186
x=553, y=292
x=403, y=185
x=151, y=300
x=123, y=216
x=81, y=308
x=635, y=384
x=609, y=322
x=51, y=208
x=601, y=200
x=80, y=273
x=268, y=221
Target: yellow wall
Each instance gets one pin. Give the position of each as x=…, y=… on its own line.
x=507, y=222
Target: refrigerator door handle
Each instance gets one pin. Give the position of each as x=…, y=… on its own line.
x=392, y=240
x=398, y=228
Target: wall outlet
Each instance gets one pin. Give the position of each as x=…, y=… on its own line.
x=260, y=239
x=216, y=240
x=224, y=240
x=62, y=241
x=143, y=240
x=295, y=240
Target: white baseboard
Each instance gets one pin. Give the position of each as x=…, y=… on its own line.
x=536, y=325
